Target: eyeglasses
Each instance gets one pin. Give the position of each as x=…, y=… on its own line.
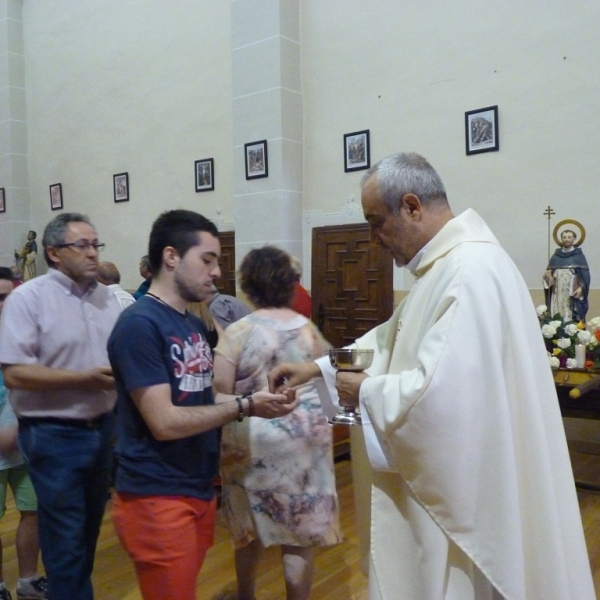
x=83, y=245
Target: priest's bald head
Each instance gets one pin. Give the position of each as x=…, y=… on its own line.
x=405, y=204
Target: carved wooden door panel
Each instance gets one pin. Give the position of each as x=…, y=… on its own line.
x=352, y=282
x=226, y=283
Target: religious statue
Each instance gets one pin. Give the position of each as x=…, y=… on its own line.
x=567, y=277
x=27, y=256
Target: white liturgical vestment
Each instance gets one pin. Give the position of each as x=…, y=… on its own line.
x=472, y=494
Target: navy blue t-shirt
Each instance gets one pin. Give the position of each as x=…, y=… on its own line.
x=153, y=344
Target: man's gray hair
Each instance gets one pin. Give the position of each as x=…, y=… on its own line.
x=406, y=173
x=55, y=231
x=145, y=262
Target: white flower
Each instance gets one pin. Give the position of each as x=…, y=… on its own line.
x=571, y=363
x=541, y=310
x=555, y=324
x=554, y=362
x=593, y=343
x=563, y=343
x=594, y=324
x=583, y=336
x=571, y=329
x=548, y=330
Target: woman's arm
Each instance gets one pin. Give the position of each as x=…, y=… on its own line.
x=224, y=372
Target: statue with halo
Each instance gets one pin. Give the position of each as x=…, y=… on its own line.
x=567, y=277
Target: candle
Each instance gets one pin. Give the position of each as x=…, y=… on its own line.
x=580, y=355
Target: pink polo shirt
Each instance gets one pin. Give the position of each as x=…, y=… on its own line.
x=47, y=321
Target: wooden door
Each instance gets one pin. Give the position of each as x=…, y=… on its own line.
x=352, y=282
x=226, y=283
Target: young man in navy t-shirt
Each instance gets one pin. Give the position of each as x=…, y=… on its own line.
x=167, y=449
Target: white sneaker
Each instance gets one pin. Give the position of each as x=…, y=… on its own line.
x=36, y=589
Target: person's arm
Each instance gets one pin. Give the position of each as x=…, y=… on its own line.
x=39, y=378
x=8, y=439
x=224, y=371
x=290, y=375
x=169, y=422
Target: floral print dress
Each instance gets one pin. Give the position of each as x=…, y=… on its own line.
x=277, y=475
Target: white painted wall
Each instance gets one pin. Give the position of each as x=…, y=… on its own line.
x=145, y=87
x=408, y=71
x=142, y=87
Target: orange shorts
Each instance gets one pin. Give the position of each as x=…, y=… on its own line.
x=167, y=538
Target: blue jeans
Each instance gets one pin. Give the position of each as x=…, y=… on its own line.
x=70, y=468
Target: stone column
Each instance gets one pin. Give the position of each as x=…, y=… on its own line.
x=267, y=104
x=14, y=174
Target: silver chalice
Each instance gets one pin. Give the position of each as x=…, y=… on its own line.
x=355, y=361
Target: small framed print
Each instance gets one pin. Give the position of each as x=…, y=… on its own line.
x=2, y=200
x=257, y=164
x=481, y=130
x=121, y=187
x=357, y=151
x=56, y=197
x=205, y=174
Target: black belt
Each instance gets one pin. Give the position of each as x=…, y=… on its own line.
x=92, y=423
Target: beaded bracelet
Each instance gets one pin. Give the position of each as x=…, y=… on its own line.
x=250, y=399
x=240, y=416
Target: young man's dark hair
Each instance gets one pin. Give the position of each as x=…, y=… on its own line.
x=179, y=229
x=6, y=273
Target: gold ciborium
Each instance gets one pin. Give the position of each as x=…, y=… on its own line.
x=355, y=361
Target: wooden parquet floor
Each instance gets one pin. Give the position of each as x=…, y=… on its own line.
x=337, y=573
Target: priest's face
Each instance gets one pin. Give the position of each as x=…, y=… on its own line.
x=568, y=239
x=393, y=232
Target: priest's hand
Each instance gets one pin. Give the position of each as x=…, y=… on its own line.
x=348, y=387
x=289, y=375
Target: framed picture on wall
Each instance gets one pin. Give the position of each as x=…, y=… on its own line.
x=2, y=200
x=357, y=151
x=257, y=164
x=56, y=197
x=205, y=174
x=481, y=130
x=121, y=187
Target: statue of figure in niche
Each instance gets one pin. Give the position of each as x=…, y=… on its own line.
x=27, y=257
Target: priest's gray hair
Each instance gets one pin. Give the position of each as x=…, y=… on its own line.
x=55, y=231
x=407, y=173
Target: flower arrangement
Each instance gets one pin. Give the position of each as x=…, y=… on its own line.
x=562, y=337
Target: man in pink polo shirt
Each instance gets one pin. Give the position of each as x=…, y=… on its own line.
x=53, y=338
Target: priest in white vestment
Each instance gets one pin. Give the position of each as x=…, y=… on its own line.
x=472, y=493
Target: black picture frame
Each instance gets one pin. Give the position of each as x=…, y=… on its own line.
x=56, y=196
x=2, y=200
x=481, y=130
x=121, y=187
x=256, y=159
x=357, y=151
x=204, y=173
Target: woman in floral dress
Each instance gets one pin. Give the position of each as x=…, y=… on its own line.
x=277, y=476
